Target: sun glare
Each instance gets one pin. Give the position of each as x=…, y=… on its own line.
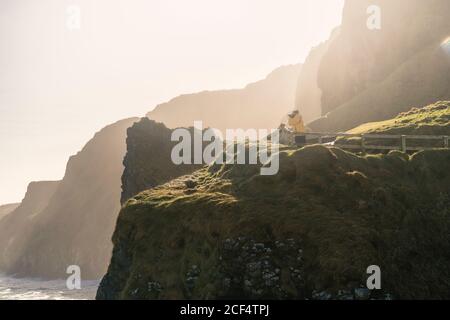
x=445, y=45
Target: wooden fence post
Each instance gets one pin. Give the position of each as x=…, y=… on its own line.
x=363, y=143
x=403, y=143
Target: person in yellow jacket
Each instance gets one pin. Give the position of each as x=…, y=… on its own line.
x=295, y=121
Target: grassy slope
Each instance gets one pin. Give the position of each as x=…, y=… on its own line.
x=430, y=120
x=346, y=211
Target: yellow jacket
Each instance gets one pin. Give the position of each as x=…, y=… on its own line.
x=296, y=123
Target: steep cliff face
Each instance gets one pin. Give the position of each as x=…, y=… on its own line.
x=308, y=95
x=7, y=209
x=310, y=231
x=148, y=160
x=372, y=75
x=17, y=226
x=259, y=105
x=71, y=222
x=75, y=226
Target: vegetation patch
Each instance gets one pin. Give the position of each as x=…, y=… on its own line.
x=216, y=233
x=432, y=120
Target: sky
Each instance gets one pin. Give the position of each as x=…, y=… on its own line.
x=62, y=79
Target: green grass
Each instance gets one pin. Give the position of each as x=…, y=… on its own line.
x=347, y=211
x=432, y=120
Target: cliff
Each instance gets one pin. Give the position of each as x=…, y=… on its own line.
x=17, y=226
x=259, y=105
x=372, y=75
x=147, y=161
x=71, y=222
x=73, y=226
x=310, y=231
x=308, y=95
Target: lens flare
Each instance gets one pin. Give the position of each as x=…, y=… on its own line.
x=446, y=45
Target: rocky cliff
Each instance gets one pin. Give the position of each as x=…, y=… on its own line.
x=308, y=95
x=259, y=105
x=75, y=225
x=372, y=75
x=71, y=222
x=311, y=231
x=17, y=227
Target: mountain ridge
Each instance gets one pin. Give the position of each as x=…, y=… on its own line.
x=260, y=104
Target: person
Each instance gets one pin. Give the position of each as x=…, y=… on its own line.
x=286, y=136
x=295, y=121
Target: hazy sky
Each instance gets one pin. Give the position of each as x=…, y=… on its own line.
x=59, y=86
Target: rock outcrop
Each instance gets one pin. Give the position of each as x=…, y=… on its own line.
x=311, y=231
x=148, y=160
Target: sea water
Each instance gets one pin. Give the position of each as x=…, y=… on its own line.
x=36, y=289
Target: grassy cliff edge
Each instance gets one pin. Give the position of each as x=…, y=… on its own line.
x=308, y=232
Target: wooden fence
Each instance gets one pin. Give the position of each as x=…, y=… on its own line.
x=367, y=143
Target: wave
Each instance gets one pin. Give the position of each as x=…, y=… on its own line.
x=37, y=289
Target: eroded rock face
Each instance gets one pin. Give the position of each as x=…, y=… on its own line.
x=148, y=160
x=308, y=98
x=372, y=75
x=253, y=270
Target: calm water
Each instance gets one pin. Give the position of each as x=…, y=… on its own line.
x=34, y=289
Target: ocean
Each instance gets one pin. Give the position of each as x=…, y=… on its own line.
x=35, y=289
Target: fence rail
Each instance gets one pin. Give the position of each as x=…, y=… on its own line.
x=402, y=141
